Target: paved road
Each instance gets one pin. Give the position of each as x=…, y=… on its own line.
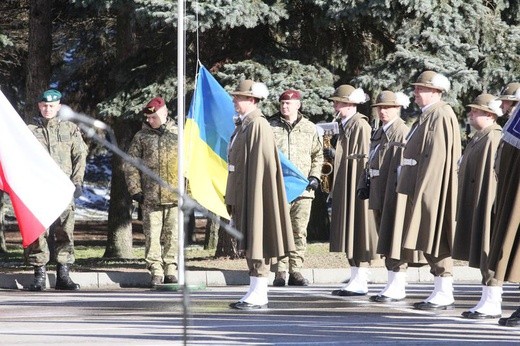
x=304, y=316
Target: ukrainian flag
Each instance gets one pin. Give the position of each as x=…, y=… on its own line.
x=208, y=128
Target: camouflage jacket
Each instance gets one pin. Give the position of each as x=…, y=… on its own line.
x=63, y=141
x=157, y=149
x=301, y=144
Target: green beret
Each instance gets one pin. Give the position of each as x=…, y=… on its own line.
x=50, y=95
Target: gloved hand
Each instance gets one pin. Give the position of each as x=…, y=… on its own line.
x=314, y=183
x=363, y=193
x=78, y=191
x=329, y=153
x=138, y=197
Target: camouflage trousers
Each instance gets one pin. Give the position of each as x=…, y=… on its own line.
x=160, y=229
x=58, y=239
x=300, y=212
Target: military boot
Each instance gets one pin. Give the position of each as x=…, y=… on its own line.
x=63, y=280
x=40, y=279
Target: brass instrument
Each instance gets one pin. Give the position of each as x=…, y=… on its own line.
x=327, y=169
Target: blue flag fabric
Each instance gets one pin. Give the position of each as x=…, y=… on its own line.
x=511, y=132
x=209, y=126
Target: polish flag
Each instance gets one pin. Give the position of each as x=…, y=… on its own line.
x=38, y=188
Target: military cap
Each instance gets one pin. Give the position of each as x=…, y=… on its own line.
x=154, y=104
x=433, y=80
x=290, y=94
x=488, y=103
x=511, y=92
x=348, y=94
x=250, y=88
x=389, y=98
x=50, y=95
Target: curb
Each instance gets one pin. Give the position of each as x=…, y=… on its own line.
x=124, y=279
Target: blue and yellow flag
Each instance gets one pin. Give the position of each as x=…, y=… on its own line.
x=208, y=128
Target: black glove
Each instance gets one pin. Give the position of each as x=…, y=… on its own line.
x=314, y=183
x=363, y=193
x=329, y=153
x=78, y=191
x=138, y=197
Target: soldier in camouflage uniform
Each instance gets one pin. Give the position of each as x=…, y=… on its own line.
x=63, y=141
x=298, y=139
x=156, y=145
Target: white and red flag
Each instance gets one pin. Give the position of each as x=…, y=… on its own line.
x=38, y=188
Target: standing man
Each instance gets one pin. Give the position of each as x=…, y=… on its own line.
x=255, y=194
x=428, y=179
x=504, y=255
x=386, y=147
x=156, y=146
x=477, y=188
x=63, y=141
x=352, y=228
x=509, y=96
x=298, y=139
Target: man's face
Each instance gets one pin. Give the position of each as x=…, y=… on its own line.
x=344, y=109
x=506, y=106
x=424, y=95
x=478, y=118
x=289, y=108
x=242, y=103
x=158, y=118
x=388, y=113
x=49, y=110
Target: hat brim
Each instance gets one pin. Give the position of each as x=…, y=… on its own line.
x=429, y=86
x=508, y=98
x=386, y=104
x=485, y=109
x=342, y=99
x=242, y=93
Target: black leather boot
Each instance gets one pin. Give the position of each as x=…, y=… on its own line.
x=40, y=279
x=63, y=280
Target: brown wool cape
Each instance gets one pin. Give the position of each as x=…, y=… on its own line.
x=255, y=189
x=504, y=256
x=430, y=184
x=352, y=228
x=477, y=188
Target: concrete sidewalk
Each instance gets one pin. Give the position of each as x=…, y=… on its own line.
x=106, y=279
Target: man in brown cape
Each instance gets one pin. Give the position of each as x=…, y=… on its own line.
x=386, y=146
x=428, y=181
x=504, y=255
x=352, y=228
x=477, y=187
x=255, y=193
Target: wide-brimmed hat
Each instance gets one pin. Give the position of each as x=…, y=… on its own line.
x=433, y=80
x=488, y=103
x=250, y=88
x=348, y=94
x=511, y=92
x=389, y=98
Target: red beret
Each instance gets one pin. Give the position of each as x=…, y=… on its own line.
x=153, y=105
x=290, y=94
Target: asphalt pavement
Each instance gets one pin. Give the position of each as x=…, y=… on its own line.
x=295, y=316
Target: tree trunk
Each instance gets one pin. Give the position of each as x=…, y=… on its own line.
x=39, y=54
x=119, y=238
x=211, y=236
x=227, y=246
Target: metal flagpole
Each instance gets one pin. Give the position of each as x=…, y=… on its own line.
x=180, y=124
